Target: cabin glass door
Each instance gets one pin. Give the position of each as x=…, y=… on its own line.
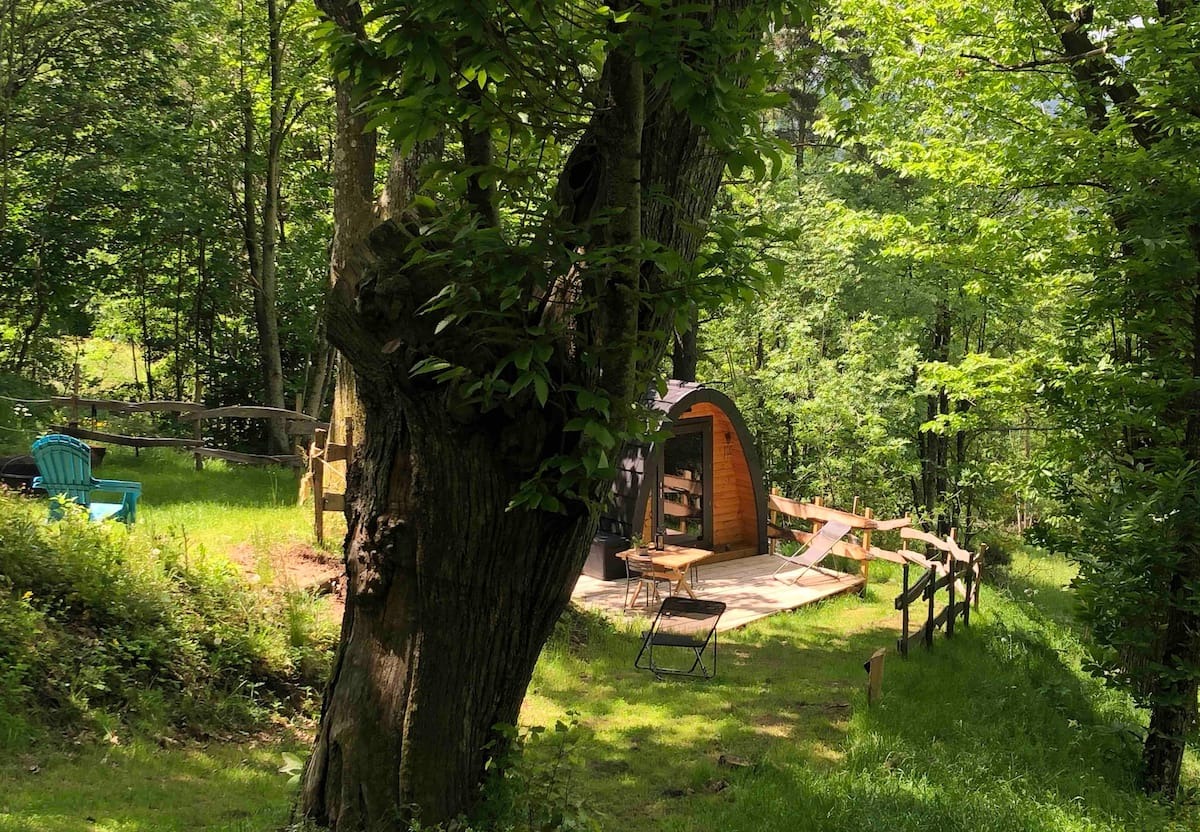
x=684, y=510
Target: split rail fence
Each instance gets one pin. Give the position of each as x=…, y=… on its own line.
x=952, y=569
x=942, y=567
x=298, y=424
x=321, y=458
x=785, y=510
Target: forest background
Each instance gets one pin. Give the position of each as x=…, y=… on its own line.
x=968, y=277
x=908, y=266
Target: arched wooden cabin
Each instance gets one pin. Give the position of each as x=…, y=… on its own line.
x=703, y=487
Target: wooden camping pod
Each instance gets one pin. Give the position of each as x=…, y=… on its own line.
x=727, y=500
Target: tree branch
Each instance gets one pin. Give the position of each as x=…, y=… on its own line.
x=1056, y=60
x=1099, y=76
x=477, y=153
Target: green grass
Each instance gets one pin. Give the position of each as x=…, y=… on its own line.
x=997, y=729
x=139, y=787
x=223, y=507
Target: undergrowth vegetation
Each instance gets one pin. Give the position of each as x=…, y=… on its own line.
x=103, y=627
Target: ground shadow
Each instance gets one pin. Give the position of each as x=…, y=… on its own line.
x=985, y=731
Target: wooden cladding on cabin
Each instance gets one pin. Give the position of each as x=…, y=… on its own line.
x=734, y=512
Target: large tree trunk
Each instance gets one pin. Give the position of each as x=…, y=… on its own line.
x=1174, y=703
x=1106, y=91
x=355, y=152
x=451, y=595
x=442, y=629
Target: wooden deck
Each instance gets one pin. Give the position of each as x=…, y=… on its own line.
x=745, y=585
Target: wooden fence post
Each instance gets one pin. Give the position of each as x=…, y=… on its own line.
x=874, y=668
x=864, y=566
x=316, y=462
x=772, y=543
x=930, y=593
x=979, y=573
x=198, y=430
x=297, y=442
x=970, y=586
x=74, y=420
x=902, y=645
x=951, y=562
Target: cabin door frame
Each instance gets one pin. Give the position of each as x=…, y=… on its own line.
x=704, y=426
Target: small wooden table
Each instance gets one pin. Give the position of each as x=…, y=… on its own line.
x=675, y=561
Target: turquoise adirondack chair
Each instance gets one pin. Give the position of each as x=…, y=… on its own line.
x=66, y=467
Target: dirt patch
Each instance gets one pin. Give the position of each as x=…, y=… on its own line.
x=775, y=725
x=295, y=566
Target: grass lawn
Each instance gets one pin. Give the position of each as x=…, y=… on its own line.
x=997, y=729
x=130, y=788
x=221, y=508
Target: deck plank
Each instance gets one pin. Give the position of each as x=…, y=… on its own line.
x=745, y=585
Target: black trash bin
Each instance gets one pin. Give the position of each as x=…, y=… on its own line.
x=602, y=561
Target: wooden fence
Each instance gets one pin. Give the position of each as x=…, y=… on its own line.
x=298, y=424
x=951, y=569
x=817, y=514
x=942, y=568
x=321, y=457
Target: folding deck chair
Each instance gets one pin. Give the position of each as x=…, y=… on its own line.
x=682, y=624
x=817, y=550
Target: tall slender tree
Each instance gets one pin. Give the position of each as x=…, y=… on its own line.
x=1136, y=77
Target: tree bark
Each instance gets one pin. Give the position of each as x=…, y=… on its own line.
x=355, y=151
x=434, y=679
x=451, y=595
x=1173, y=706
x=260, y=222
x=266, y=288
x=35, y=323
x=180, y=272
x=144, y=320
x=685, y=356
x=1106, y=88
x=933, y=446
x=320, y=366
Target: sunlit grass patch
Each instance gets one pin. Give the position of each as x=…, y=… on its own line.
x=141, y=787
x=997, y=729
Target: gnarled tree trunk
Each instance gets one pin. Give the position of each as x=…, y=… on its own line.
x=451, y=594
x=451, y=598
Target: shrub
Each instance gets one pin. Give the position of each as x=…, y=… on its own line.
x=531, y=786
x=100, y=622
x=999, y=547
